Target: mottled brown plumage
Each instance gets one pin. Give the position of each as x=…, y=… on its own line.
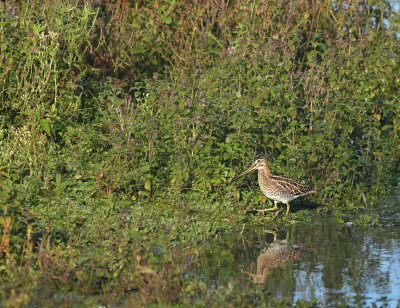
x=277, y=188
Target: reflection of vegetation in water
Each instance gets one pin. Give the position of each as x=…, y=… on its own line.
x=345, y=266
x=351, y=261
x=121, y=123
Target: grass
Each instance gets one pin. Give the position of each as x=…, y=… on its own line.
x=122, y=124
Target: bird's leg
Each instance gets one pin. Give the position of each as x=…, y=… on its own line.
x=287, y=208
x=271, y=209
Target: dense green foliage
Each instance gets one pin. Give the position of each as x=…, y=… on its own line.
x=121, y=123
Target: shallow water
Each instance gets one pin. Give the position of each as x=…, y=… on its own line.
x=324, y=261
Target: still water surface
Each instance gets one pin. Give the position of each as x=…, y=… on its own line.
x=330, y=262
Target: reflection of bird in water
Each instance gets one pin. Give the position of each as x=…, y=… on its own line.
x=277, y=188
x=277, y=255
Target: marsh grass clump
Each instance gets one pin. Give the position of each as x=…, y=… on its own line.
x=121, y=124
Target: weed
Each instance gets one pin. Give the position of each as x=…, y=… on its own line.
x=122, y=123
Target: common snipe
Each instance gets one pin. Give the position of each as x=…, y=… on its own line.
x=277, y=188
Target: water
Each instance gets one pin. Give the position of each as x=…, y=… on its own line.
x=324, y=261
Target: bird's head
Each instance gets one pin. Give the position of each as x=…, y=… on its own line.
x=260, y=163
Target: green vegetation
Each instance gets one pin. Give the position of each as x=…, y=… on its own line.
x=121, y=123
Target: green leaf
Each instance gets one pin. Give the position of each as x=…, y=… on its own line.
x=256, y=101
x=311, y=55
x=167, y=20
x=44, y=123
x=319, y=136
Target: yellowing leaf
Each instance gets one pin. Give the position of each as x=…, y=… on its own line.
x=58, y=180
x=147, y=185
x=377, y=116
x=313, y=158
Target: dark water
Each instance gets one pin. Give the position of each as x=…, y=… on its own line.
x=329, y=262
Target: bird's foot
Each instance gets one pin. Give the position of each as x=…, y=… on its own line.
x=268, y=210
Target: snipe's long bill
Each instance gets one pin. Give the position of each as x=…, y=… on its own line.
x=277, y=188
